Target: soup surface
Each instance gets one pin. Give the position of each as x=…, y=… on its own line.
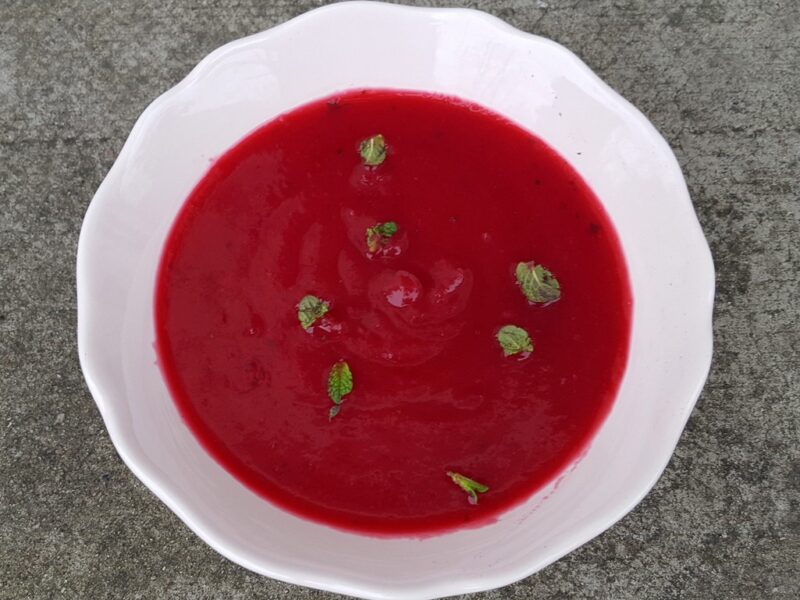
x=415, y=261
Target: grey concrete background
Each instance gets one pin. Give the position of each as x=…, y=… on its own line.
x=719, y=78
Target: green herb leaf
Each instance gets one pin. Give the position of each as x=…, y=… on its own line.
x=472, y=487
x=373, y=150
x=334, y=411
x=340, y=382
x=537, y=283
x=310, y=309
x=514, y=340
x=378, y=235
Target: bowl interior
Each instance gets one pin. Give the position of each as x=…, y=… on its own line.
x=534, y=82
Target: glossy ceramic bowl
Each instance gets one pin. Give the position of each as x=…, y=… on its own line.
x=534, y=82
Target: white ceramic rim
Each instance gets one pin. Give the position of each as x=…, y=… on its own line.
x=702, y=284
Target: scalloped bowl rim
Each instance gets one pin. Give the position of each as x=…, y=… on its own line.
x=95, y=361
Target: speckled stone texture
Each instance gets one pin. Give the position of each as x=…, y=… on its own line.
x=719, y=78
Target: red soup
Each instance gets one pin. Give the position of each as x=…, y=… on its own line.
x=393, y=312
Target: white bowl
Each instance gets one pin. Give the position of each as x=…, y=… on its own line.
x=531, y=80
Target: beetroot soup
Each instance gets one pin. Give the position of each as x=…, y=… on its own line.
x=392, y=312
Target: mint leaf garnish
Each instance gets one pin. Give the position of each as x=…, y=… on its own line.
x=537, y=283
x=310, y=309
x=379, y=234
x=373, y=150
x=472, y=487
x=340, y=383
x=514, y=340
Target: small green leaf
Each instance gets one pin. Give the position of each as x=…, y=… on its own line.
x=340, y=382
x=514, y=340
x=310, y=309
x=334, y=411
x=378, y=235
x=373, y=150
x=472, y=487
x=537, y=283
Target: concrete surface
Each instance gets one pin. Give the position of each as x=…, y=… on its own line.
x=719, y=78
